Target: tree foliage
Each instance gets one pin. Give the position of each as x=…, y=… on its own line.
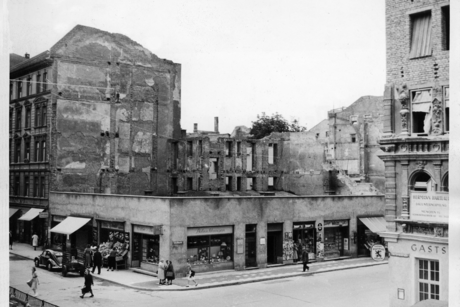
x=264, y=125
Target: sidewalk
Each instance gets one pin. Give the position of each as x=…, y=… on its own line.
x=129, y=278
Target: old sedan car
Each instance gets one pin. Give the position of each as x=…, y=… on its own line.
x=54, y=259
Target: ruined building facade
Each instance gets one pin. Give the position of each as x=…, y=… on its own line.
x=93, y=114
x=415, y=148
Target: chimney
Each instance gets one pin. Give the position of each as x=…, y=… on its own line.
x=27, y=56
x=195, y=128
x=216, y=124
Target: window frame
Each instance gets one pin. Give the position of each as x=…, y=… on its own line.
x=429, y=281
x=28, y=86
x=18, y=116
x=37, y=83
x=17, y=150
x=27, y=149
x=28, y=117
x=412, y=96
x=19, y=89
x=16, y=184
x=412, y=18
x=445, y=13
x=45, y=81
x=26, y=189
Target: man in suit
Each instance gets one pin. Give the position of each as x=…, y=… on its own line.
x=97, y=261
x=305, y=259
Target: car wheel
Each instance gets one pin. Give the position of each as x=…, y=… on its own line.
x=49, y=266
x=64, y=270
x=37, y=263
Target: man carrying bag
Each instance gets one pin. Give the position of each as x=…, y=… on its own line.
x=305, y=259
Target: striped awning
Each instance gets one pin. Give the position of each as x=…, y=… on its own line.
x=375, y=224
x=31, y=214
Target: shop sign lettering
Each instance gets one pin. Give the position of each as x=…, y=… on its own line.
x=336, y=223
x=148, y=230
x=113, y=225
x=209, y=231
x=434, y=249
x=430, y=207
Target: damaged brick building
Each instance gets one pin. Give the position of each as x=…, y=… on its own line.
x=92, y=114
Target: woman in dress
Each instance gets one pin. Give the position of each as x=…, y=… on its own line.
x=161, y=271
x=88, y=283
x=170, y=276
x=87, y=254
x=34, y=282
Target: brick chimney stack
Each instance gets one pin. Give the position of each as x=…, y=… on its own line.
x=195, y=128
x=216, y=124
x=27, y=56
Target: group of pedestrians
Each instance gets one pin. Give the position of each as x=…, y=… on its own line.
x=166, y=272
x=94, y=259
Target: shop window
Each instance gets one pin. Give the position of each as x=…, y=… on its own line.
x=213, y=168
x=27, y=150
x=271, y=184
x=270, y=154
x=26, y=185
x=420, y=44
x=304, y=236
x=238, y=149
x=112, y=235
x=228, y=148
x=353, y=138
x=18, y=118
x=17, y=155
x=29, y=86
x=238, y=183
x=446, y=27
x=189, y=183
x=19, y=89
x=421, y=111
x=446, y=109
x=422, y=182
x=228, y=183
x=210, y=249
x=249, y=184
x=189, y=148
x=336, y=243
x=428, y=279
x=37, y=83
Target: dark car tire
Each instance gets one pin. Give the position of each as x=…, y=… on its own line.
x=49, y=266
x=64, y=270
x=37, y=263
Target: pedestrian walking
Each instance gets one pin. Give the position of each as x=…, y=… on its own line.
x=34, y=282
x=191, y=275
x=87, y=253
x=161, y=271
x=97, y=261
x=112, y=259
x=35, y=241
x=170, y=275
x=88, y=284
x=11, y=240
x=305, y=259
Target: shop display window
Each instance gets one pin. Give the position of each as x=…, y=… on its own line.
x=151, y=249
x=210, y=249
x=113, y=239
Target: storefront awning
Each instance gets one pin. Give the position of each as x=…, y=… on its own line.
x=31, y=214
x=70, y=225
x=375, y=224
x=13, y=211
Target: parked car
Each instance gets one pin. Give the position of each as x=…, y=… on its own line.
x=53, y=259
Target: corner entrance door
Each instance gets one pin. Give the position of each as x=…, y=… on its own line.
x=275, y=243
x=251, y=246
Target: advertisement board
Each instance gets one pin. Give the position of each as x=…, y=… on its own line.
x=429, y=207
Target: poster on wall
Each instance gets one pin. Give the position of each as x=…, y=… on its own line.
x=345, y=244
x=239, y=246
x=429, y=207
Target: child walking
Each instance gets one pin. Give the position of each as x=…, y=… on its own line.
x=191, y=275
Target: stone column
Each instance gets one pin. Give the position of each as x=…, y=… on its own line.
x=388, y=121
x=239, y=232
x=390, y=195
x=404, y=190
x=288, y=248
x=437, y=174
x=261, y=248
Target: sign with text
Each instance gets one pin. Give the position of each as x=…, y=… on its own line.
x=429, y=207
x=378, y=252
x=209, y=231
x=239, y=246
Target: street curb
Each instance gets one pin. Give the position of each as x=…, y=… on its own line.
x=242, y=282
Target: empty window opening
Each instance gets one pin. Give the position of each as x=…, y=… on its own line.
x=249, y=158
x=249, y=184
x=189, y=183
x=420, y=44
x=446, y=27
x=238, y=183
x=353, y=138
x=446, y=109
x=421, y=111
x=270, y=154
x=238, y=148
x=271, y=184
x=175, y=147
x=213, y=168
x=228, y=148
x=190, y=148
x=228, y=183
x=422, y=183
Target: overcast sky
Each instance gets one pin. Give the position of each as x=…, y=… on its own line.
x=239, y=58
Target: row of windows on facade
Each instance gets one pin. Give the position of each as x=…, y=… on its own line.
x=17, y=90
x=422, y=110
x=33, y=185
x=40, y=117
x=250, y=184
x=421, y=33
x=229, y=147
x=39, y=150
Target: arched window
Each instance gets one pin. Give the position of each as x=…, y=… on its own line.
x=422, y=182
x=445, y=183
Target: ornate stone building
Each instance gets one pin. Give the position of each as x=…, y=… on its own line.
x=416, y=150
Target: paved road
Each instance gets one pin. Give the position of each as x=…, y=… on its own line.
x=364, y=287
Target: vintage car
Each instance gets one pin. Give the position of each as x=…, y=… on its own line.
x=53, y=259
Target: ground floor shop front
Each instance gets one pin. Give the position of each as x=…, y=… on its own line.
x=25, y=222
x=218, y=233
